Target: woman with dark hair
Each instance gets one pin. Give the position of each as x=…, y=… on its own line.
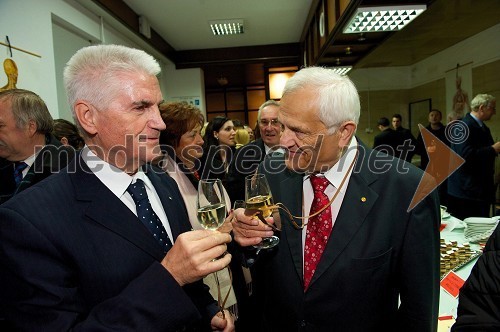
x=219, y=147
x=67, y=133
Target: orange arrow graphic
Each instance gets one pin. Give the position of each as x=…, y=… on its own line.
x=443, y=161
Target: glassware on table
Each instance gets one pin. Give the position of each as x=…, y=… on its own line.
x=258, y=197
x=211, y=213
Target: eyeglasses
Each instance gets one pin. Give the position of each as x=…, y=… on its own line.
x=273, y=122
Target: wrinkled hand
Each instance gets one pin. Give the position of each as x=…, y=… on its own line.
x=220, y=324
x=247, y=228
x=193, y=255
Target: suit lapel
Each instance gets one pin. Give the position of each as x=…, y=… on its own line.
x=290, y=186
x=109, y=211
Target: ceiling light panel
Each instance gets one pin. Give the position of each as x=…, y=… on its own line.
x=376, y=19
x=227, y=27
x=341, y=70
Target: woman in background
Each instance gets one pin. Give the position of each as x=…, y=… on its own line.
x=67, y=133
x=218, y=148
x=182, y=143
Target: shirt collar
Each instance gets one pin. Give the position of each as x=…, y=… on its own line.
x=336, y=174
x=479, y=122
x=112, y=177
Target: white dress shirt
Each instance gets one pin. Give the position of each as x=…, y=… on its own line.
x=118, y=181
x=335, y=175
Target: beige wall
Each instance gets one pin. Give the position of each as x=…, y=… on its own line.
x=376, y=104
x=485, y=79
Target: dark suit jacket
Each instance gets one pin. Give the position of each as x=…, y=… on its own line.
x=245, y=162
x=53, y=157
x=474, y=179
x=406, y=135
x=377, y=251
x=79, y=259
x=388, y=141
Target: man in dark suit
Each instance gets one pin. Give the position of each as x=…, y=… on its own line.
x=26, y=143
x=409, y=141
x=249, y=156
x=80, y=257
x=388, y=140
x=471, y=188
x=362, y=247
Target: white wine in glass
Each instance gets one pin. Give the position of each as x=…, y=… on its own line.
x=211, y=212
x=211, y=204
x=258, y=197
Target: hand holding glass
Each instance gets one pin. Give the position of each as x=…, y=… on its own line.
x=258, y=197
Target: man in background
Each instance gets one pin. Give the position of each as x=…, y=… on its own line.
x=407, y=138
x=28, y=151
x=251, y=155
x=437, y=129
x=388, y=140
x=106, y=244
x=471, y=187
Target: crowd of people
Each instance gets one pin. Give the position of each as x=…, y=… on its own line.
x=99, y=227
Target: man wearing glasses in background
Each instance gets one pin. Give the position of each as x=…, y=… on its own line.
x=251, y=155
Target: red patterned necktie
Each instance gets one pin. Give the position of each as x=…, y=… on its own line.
x=318, y=228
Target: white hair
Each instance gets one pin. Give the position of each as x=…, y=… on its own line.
x=92, y=72
x=482, y=99
x=337, y=97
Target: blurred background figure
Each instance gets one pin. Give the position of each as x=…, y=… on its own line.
x=437, y=129
x=397, y=125
x=251, y=135
x=28, y=151
x=388, y=139
x=471, y=190
x=218, y=148
x=241, y=137
x=67, y=133
x=251, y=155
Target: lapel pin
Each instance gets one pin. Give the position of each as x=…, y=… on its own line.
x=363, y=199
x=170, y=198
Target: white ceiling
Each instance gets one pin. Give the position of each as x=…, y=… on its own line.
x=184, y=23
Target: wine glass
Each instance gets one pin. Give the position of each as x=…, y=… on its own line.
x=258, y=197
x=211, y=213
x=211, y=204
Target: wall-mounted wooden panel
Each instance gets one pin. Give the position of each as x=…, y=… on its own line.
x=331, y=14
x=343, y=5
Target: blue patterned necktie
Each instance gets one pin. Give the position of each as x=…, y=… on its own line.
x=19, y=166
x=147, y=216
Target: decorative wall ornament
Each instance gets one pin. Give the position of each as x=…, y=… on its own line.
x=10, y=69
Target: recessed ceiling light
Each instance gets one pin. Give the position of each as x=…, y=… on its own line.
x=341, y=70
x=376, y=19
x=227, y=27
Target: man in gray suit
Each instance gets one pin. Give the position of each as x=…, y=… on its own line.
x=349, y=247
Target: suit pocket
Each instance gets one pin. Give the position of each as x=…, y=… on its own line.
x=369, y=263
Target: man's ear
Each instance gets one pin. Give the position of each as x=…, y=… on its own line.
x=347, y=130
x=32, y=127
x=86, y=115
